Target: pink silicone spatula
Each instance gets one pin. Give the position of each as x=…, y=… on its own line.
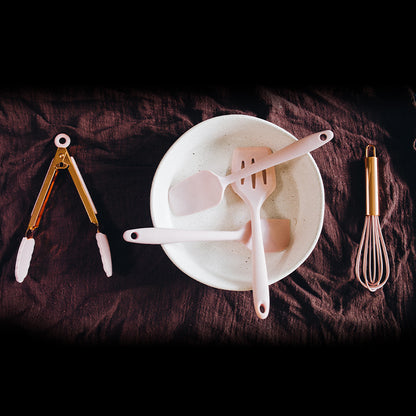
x=276, y=235
x=206, y=189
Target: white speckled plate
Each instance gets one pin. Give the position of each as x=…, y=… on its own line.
x=299, y=196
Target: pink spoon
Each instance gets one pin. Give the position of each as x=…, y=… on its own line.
x=206, y=189
x=276, y=235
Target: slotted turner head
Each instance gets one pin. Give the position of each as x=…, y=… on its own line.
x=258, y=186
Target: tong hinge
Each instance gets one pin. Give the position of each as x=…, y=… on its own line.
x=61, y=159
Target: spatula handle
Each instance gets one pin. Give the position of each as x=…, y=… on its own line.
x=292, y=151
x=171, y=235
x=261, y=295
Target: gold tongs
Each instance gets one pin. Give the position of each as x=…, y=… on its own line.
x=61, y=161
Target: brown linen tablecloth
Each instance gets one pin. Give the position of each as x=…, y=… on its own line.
x=119, y=136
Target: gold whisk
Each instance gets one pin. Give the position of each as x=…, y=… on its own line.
x=375, y=265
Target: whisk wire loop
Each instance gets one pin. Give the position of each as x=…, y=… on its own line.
x=375, y=261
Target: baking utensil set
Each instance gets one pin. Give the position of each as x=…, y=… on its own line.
x=253, y=179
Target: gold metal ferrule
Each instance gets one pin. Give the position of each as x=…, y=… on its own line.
x=371, y=182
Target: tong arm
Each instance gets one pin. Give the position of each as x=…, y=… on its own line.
x=60, y=161
x=83, y=191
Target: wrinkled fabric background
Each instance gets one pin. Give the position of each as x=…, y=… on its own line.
x=118, y=137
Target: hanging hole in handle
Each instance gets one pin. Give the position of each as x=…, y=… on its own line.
x=262, y=308
x=323, y=137
x=62, y=140
x=134, y=236
x=367, y=150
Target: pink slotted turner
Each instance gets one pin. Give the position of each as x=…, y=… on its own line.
x=206, y=189
x=253, y=191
